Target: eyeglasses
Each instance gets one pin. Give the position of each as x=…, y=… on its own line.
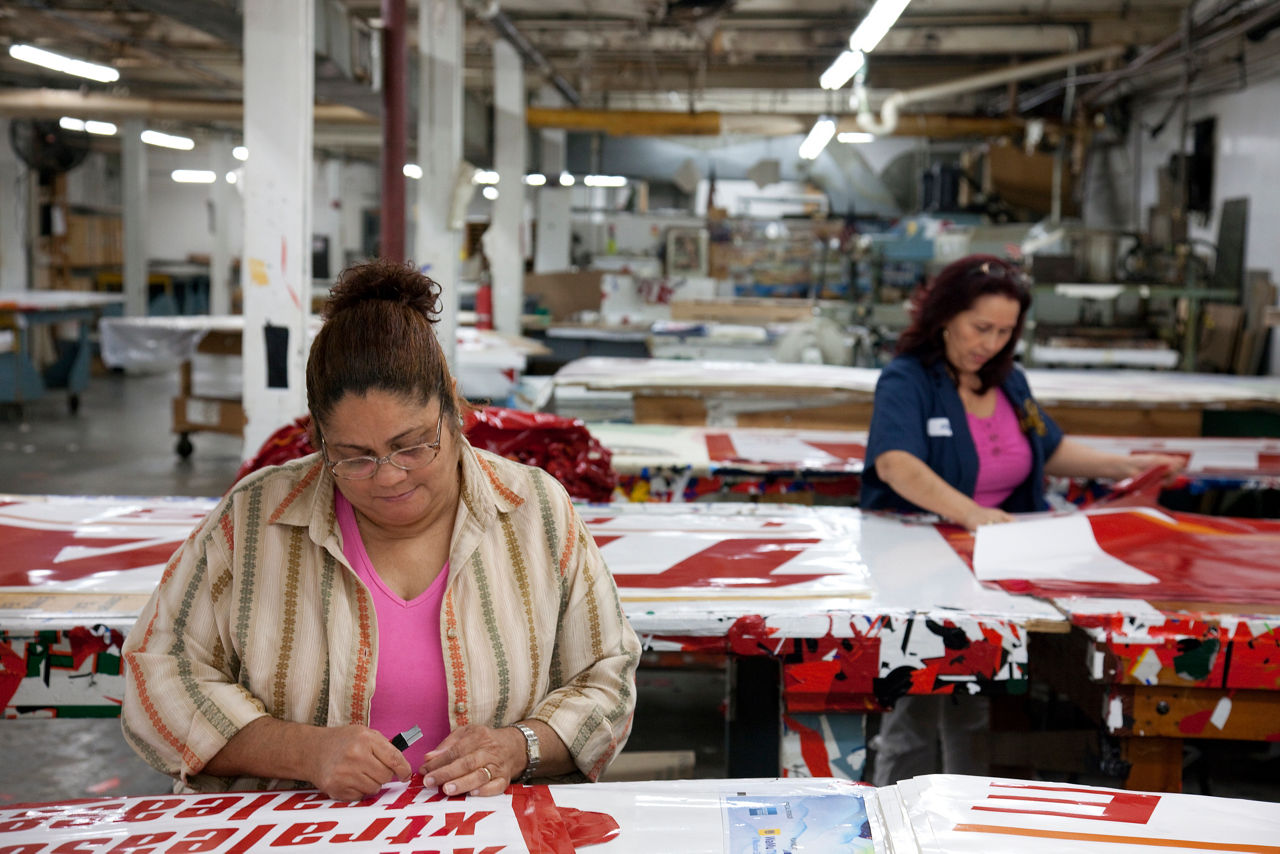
x=1000, y=271
x=405, y=459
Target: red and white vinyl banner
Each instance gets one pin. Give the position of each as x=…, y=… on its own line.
x=690, y=817
x=982, y=815
x=402, y=818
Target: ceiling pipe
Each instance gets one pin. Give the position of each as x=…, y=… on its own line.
x=497, y=19
x=892, y=105
x=53, y=103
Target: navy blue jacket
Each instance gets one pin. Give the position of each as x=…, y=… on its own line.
x=918, y=410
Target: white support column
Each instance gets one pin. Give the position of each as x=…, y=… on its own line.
x=437, y=241
x=223, y=196
x=133, y=184
x=554, y=235
x=275, y=275
x=13, y=216
x=506, y=256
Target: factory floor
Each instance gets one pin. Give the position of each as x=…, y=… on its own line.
x=119, y=443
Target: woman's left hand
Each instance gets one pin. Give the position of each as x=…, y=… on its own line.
x=476, y=760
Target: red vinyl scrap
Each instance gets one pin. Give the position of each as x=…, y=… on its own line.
x=1191, y=555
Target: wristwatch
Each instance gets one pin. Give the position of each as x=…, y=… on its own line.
x=532, y=752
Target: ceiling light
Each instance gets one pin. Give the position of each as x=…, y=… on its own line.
x=240, y=153
x=100, y=128
x=879, y=19
x=605, y=181
x=566, y=180
x=164, y=140
x=823, y=129
x=847, y=64
x=194, y=176
x=485, y=176
x=231, y=178
x=535, y=180
x=490, y=192
x=856, y=137
x=68, y=123
x=65, y=64
x=412, y=170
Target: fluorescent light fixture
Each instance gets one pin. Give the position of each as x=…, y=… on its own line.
x=240, y=153
x=194, y=176
x=68, y=123
x=823, y=129
x=100, y=128
x=604, y=181
x=165, y=140
x=879, y=19
x=566, y=180
x=412, y=170
x=65, y=64
x=485, y=176
x=490, y=192
x=847, y=64
x=231, y=178
x=856, y=136
x=535, y=179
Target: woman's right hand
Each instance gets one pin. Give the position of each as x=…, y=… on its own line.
x=352, y=762
x=979, y=515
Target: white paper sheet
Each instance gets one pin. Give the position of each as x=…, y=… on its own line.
x=1055, y=548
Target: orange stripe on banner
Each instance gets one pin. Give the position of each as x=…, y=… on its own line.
x=1119, y=840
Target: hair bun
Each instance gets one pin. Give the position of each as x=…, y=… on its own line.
x=384, y=280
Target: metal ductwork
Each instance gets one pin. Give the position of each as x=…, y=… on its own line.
x=492, y=14
x=890, y=108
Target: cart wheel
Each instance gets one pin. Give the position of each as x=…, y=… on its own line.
x=73, y=403
x=184, y=446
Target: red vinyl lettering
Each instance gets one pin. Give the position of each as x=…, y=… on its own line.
x=461, y=824
x=151, y=809
x=245, y=843
x=412, y=830
x=252, y=807
x=206, y=839
x=368, y=834
x=742, y=562
x=410, y=796
x=209, y=806
x=73, y=847
x=28, y=848
x=302, y=801
x=15, y=824
x=1131, y=807
x=141, y=842
x=304, y=833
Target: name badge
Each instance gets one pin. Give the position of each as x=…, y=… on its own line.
x=938, y=427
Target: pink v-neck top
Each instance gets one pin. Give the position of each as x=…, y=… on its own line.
x=410, y=689
x=1004, y=455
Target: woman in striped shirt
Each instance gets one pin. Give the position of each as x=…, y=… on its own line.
x=397, y=579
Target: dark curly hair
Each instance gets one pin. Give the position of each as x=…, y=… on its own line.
x=955, y=289
x=378, y=334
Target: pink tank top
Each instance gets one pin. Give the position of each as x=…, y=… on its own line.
x=410, y=689
x=1004, y=454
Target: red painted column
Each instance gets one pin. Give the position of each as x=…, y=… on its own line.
x=395, y=108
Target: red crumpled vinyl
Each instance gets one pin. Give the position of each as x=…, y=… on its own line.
x=562, y=446
x=288, y=443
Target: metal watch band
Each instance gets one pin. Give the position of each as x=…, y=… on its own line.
x=532, y=752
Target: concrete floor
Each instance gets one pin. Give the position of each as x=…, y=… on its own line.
x=119, y=444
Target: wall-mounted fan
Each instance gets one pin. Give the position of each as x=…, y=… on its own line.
x=47, y=147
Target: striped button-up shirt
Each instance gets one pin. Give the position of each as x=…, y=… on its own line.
x=259, y=613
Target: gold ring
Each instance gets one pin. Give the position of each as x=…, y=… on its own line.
x=487, y=773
